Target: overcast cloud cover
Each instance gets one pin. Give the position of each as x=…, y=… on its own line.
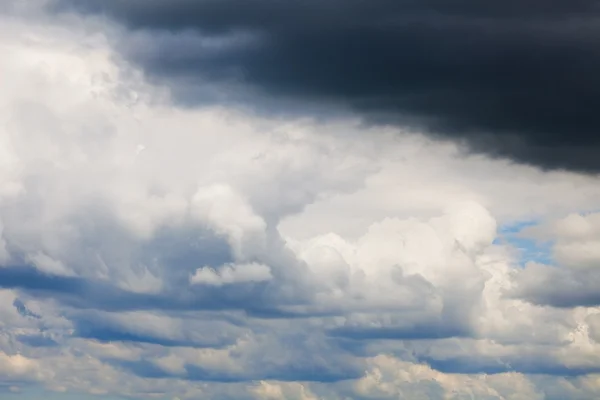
x=272, y=200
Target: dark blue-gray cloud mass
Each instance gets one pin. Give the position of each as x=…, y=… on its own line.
x=512, y=78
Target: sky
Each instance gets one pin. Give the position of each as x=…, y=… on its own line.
x=316, y=200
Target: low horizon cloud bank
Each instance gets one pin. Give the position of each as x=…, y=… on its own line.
x=152, y=250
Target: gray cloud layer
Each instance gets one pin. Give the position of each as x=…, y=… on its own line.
x=513, y=78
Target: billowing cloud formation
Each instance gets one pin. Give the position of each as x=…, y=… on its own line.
x=148, y=250
x=513, y=78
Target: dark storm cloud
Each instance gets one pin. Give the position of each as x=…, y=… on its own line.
x=515, y=78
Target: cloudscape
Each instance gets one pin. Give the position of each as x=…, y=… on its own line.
x=299, y=200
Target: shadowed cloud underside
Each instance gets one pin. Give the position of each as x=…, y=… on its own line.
x=514, y=79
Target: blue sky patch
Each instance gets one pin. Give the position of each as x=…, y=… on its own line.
x=529, y=250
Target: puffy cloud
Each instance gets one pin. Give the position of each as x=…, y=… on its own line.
x=427, y=269
x=229, y=274
x=390, y=378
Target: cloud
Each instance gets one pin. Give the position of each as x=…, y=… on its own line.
x=154, y=250
x=37, y=340
x=389, y=378
x=294, y=391
x=573, y=281
x=154, y=328
x=405, y=264
x=230, y=274
x=513, y=79
x=23, y=310
x=17, y=367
